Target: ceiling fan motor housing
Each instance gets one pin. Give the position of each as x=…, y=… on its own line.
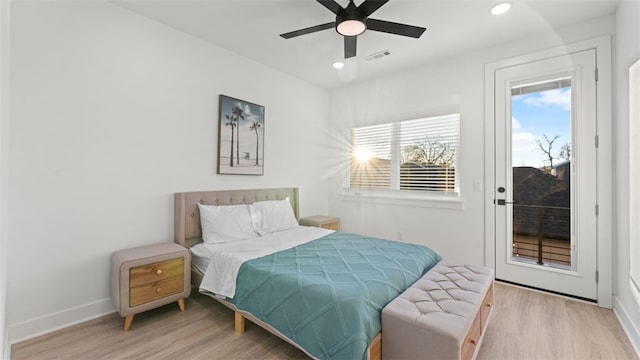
x=350, y=22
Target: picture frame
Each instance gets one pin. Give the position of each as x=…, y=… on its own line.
x=240, y=137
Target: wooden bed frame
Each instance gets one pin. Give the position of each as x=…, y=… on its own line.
x=188, y=233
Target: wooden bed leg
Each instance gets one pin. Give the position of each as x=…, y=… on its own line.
x=181, y=304
x=127, y=322
x=375, y=348
x=239, y=323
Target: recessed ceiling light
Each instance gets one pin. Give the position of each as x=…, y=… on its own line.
x=500, y=8
x=338, y=64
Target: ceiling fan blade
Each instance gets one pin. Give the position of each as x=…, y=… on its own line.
x=308, y=30
x=333, y=6
x=350, y=43
x=369, y=6
x=395, y=28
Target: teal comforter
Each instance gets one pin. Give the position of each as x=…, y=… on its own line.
x=327, y=295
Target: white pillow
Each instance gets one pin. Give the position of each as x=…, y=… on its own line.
x=226, y=223
x=273, y=215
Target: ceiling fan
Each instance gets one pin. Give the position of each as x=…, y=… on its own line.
x=353, y=20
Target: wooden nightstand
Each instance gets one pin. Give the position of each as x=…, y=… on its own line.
x=146, y=277
x=325, y=222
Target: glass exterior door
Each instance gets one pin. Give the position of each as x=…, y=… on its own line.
x=545, y=171
x=541, y=172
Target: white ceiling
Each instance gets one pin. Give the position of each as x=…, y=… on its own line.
x=251, y=28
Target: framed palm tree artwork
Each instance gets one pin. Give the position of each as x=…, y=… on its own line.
x=240, y=137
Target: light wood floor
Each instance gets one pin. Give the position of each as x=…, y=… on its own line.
x=524, y=325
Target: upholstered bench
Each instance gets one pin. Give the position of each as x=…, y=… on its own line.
x=441, y=316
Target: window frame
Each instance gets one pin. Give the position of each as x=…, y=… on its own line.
x=436, y=199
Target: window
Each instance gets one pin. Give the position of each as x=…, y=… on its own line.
x=412, y=155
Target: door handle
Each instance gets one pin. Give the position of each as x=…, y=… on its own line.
x=503, y=202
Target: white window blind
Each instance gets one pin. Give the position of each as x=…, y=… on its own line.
x=412, y=155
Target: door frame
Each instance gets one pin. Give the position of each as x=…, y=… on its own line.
x=604, y=190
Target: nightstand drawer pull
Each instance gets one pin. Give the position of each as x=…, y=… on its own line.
x=159, y=271
x=158, y=290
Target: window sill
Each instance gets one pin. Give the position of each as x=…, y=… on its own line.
x=442, y=201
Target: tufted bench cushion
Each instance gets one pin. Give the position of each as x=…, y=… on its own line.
x=440, y=316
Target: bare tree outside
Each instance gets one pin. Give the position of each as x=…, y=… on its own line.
x=428, y=165
x=547, y=150
x=565, y=152
x=430, y=150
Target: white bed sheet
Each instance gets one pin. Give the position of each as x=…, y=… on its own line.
x=224, y=260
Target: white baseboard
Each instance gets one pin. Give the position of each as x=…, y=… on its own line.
x=629, y=325
x=45, y=324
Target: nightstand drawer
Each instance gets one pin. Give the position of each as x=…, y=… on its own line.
x=155, y=290
x=156, y=271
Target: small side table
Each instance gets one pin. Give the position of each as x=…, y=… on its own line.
x=146, y=277
x=325, y=222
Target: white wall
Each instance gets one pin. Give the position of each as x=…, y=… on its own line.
x=4, y=115
x=457, y=82
x=627, y=53
x=111, y=113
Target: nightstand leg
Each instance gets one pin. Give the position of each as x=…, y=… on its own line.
x=127, y=322
x=181, y=304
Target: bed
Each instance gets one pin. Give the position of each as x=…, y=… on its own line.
x=330, y=307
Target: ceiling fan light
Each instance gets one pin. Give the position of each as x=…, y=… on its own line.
x=351, y=27
x=500, y=8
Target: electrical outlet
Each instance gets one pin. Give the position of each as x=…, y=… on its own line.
x=400, y=235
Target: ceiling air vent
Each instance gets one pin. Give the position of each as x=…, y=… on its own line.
x=378, y=55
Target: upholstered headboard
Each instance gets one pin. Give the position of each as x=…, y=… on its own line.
x=187, y=216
